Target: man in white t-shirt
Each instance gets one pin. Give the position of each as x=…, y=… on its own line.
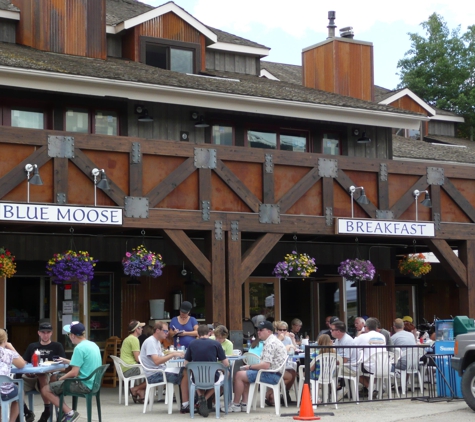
x=370, y=338
x=349, y=355
x=402, y=338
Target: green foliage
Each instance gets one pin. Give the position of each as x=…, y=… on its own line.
x=440, y=68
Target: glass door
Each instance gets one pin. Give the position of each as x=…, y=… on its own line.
x=262, y=295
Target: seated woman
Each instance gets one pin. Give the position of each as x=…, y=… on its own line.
x=323, y=340
x=290, y=372
x=9, y=355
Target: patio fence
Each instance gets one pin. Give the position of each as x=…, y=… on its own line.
x=398, y=373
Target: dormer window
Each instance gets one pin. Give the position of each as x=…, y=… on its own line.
x=178, y=56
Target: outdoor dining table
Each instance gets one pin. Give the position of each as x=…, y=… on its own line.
x=42, y=368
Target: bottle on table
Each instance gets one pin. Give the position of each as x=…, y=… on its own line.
x=35, y=358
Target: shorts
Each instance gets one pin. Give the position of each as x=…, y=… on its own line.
x=173, y=377
x=75, y=387
x=11, y=394
x=267, y=377
x=364, y=370
x=132, y=372
x=31, y=383
x=347, y=371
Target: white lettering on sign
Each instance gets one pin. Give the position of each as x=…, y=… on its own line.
x=385, y=228
x=60, y=214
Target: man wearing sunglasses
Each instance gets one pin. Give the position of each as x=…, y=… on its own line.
x=85, y=360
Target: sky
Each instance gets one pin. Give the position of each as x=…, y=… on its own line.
x=289, y=26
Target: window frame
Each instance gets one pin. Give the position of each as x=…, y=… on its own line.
x=33, y=106
x=279, y=131
x=163, y=42
x=337, y=136
x=91, y=118
x=224, y=124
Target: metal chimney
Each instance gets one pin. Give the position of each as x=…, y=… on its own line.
x=331, y=24
x=347, y=32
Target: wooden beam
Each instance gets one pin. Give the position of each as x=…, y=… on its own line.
x=233, y=267
x=327, y=193
x=136, y=177
x=177, y=176
x=257, y=252
x=299, y=190
x=268, y=187
x=191, y=251
x=237, y=186
x=467, y=295
x=85, y=164
x=383, y=192
x=451, y=263
x=17, y=174
x=345, y=182
x=459, y=199
x=204, y=176
x=436, y=201
x=218, y=278
x=60, y=171
x=407, y=199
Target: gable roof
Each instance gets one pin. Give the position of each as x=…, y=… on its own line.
x=283, y=72
x=28, y=68
x=8, y=10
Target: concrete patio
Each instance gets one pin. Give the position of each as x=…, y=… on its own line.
x=376, y=411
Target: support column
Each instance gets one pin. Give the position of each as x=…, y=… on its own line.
x=218, y=279
x=235, y=299
x=467, y=292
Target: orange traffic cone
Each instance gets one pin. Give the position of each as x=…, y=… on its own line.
x=306, y=409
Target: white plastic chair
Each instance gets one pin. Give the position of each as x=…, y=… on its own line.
x=5, y=411
x=150, y=390
x=328, y=376
x=237, y=352
x=412, y=369
x=250, y=358
x=277, y=388
x=124, y=380
x=380, y=363
x=301, y=383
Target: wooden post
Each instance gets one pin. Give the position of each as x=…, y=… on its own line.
x=467, y=293
x=218, y=278
x=3, y=301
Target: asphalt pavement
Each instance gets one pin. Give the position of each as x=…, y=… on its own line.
x=376, y=411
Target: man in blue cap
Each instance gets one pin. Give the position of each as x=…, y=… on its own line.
x=86, y=359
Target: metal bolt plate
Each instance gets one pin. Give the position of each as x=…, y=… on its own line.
x=136, y=207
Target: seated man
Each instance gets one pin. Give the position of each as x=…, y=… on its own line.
x=85, y=360
x=403, y=338
x=48, y=349
x=152, y=356
x=203, y=349
x=273, y=356
x=129, y=353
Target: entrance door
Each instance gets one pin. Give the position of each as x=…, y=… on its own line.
x=262, y=294
x=405, y=301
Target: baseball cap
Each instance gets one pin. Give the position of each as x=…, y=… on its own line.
x=265, y=324
x=185, y=307
x=135, y=324
x=407, y=318
x=75, y=328
x=45, y=326
x=333, y=319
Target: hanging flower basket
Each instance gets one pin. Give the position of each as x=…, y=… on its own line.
x=7, y=263
x=357, y=269
x=71, y=266
x=142, y=262
x=295, y=265
x=414, y=265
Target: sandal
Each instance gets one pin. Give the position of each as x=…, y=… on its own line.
x=134, y=398
x=269, y=403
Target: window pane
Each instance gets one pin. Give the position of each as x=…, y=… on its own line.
x=156, y=55
x=293, y=143
x=257, y=139
x=28, y=119
x=105, y=123
x=181, y=60
x=77, y=121
x=222, y=135
x=331, y=146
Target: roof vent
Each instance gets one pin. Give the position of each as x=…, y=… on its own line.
x=331, y=24
x=347, y=32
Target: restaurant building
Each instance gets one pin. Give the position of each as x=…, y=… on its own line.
x=220, y=167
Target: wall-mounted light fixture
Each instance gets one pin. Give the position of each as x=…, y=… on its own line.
x=103, y=183
x=379, y=282
x=201, y=122
x=143, y=113
x=426, y=201
x=363, y=139
x=34, y=180
x=362, y=199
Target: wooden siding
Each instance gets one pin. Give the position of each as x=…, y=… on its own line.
x=442, y=128
x=7, y=31
x=73, y=27
x=232, y=62
x=341, y=67
x=168, y=26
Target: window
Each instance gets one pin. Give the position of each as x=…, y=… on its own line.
x=222, y=135
x=331, y=144
x=172, y=55
x=285, y=141
x=28, y=119
x=101, y=122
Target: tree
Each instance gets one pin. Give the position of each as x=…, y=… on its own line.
x=440, y=68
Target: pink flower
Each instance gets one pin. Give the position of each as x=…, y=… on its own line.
x=128, y=254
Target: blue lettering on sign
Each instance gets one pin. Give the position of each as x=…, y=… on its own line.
x=8, y=211
x=62, y=216
x=349, y=226
x=359, y=226
x=18, y=215
x=378, y=228
x=368, y=226
x=89, y=216
x=404, y=229
x=387, y=228
x=82, y=215
x=44, y=213
x=422, y=227
x=115, y=216
x=413, y=229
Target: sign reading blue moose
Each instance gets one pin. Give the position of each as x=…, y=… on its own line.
x=39, y=213
x=385, y=228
